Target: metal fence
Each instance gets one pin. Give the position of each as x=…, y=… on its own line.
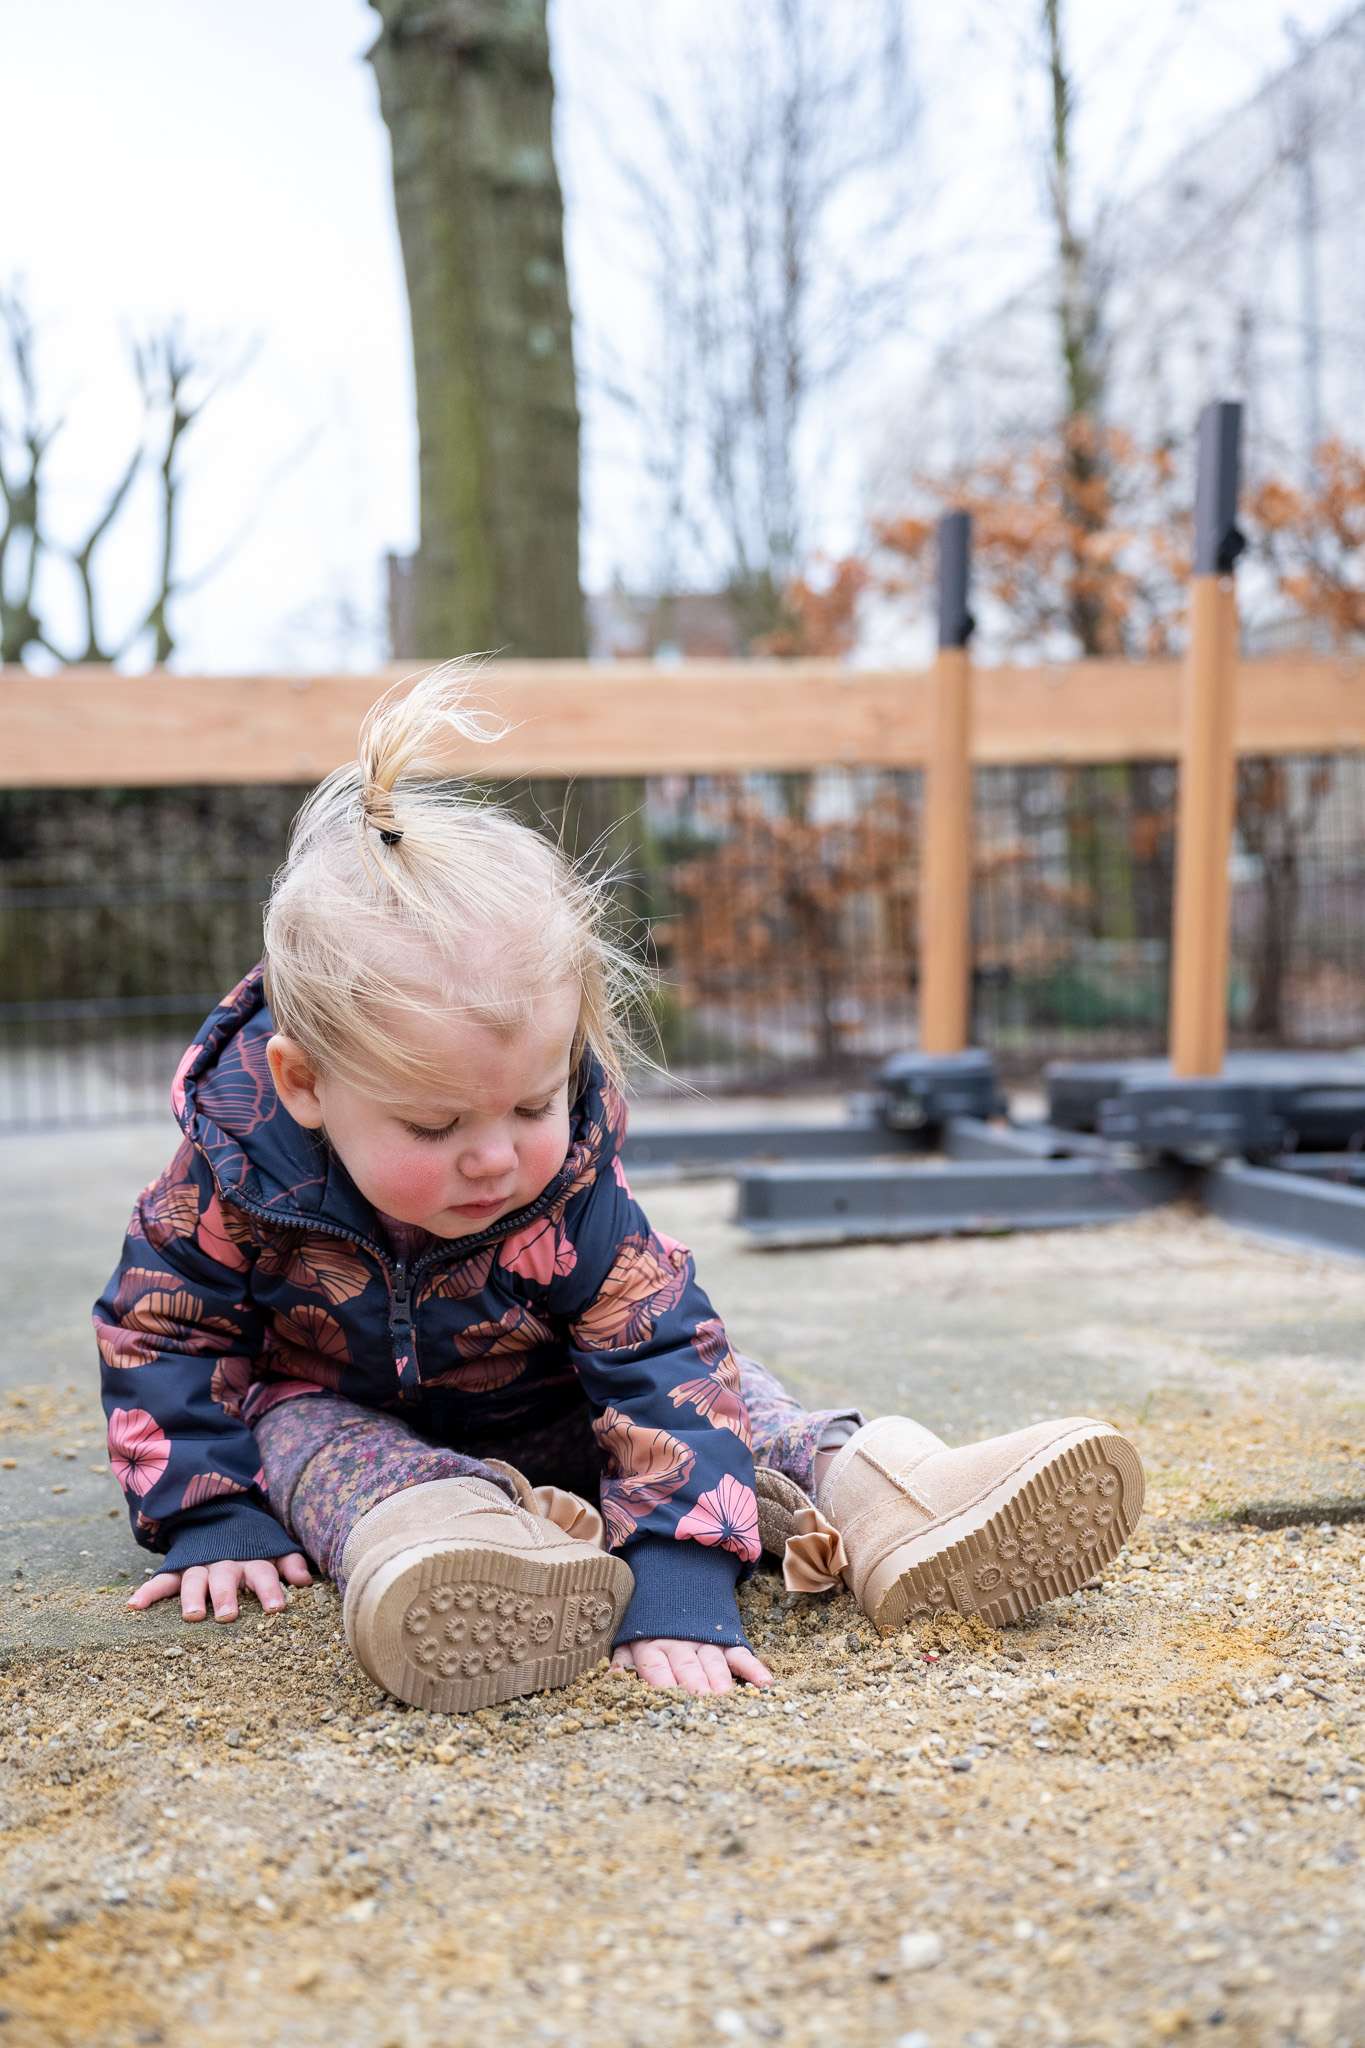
x=781, y=910
x=124, y=915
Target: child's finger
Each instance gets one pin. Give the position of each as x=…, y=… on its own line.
x=159, y=1588
x=194, y=1592
x=745, y=1665
x=294, y=1568
x=224, y=1579
x=690, y=1670
x=263, y=1579
x=712, y=1662
x=654, y=1662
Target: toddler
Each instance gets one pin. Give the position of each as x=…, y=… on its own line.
x=393, y=1308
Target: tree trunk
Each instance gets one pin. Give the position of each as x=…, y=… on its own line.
x=465, y=89
x=1268, y=831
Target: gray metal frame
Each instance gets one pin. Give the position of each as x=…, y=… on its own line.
x=836, y=1204
x=707, y=1150
x=858, y=1182
x=1296, y=1206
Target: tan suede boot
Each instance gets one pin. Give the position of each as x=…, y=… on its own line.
x=456, y=1599
x=994, y=1529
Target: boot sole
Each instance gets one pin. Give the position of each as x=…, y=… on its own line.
x=451, y=1627
x=1044, y=1534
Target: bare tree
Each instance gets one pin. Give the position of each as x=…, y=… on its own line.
x=1080, y=297
x=770, y=201
x=177, y=380
x=1278, y=803
x=23, y=444
x=82, y=561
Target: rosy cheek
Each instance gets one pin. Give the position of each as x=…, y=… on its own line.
x=541, y=1153
x=404, y=1181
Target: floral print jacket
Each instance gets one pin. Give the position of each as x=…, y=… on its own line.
x=254, y=1271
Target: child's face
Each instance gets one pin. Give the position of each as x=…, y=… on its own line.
x=455, y=1156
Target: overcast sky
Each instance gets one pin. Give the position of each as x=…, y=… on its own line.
x=228, y=165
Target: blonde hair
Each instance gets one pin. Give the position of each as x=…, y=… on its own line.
x=404, y=890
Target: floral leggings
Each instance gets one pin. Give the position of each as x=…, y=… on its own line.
x=327, y=1460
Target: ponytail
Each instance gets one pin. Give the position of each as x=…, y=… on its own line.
x=401, y=889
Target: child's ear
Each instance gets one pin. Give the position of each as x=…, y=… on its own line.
x=296, y=1083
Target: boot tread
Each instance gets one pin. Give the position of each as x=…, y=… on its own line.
x=1048, y=1538
x=452, y=1626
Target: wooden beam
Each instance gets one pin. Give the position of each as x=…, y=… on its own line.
x=945, y=896
x=564, y=718
x=91, y=728
x=1200, y=930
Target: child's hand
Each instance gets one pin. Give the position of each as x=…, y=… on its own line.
x=221, y=1584
x=697, y=1667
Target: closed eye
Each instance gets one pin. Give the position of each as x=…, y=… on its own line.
x=542, y=1109
x=431, y=1137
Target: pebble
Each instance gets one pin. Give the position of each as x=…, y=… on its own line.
x=921, y=1951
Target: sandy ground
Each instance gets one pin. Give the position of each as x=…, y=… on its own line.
x=1134, y=1818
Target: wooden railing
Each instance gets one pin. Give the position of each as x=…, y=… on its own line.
x=91, y=728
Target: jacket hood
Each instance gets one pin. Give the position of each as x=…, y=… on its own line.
x=262, y=1160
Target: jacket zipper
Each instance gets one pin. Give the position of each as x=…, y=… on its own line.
x=401, y=1330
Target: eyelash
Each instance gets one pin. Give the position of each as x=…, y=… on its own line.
x=532, y=1116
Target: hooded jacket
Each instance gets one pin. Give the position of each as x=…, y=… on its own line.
x=255, y=1271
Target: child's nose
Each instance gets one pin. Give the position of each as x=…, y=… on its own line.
x=491, y=1156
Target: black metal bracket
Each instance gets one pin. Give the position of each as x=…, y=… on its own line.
x=924, y=1091
x=1262, y=1103
x=1218, y=540
x=955, y=622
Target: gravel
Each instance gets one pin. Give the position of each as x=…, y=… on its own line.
x=1134, y=1818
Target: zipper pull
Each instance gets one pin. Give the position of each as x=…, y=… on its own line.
x=401, y=1330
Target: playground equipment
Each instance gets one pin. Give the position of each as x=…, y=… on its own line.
x=1273, y=1141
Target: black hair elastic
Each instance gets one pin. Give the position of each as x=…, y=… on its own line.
x=391, y=838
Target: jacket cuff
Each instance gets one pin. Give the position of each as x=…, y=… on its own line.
x=225, y=1530
x=684, y=1592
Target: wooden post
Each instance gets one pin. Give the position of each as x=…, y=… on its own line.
x=945, y=922
x=1199, y=964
